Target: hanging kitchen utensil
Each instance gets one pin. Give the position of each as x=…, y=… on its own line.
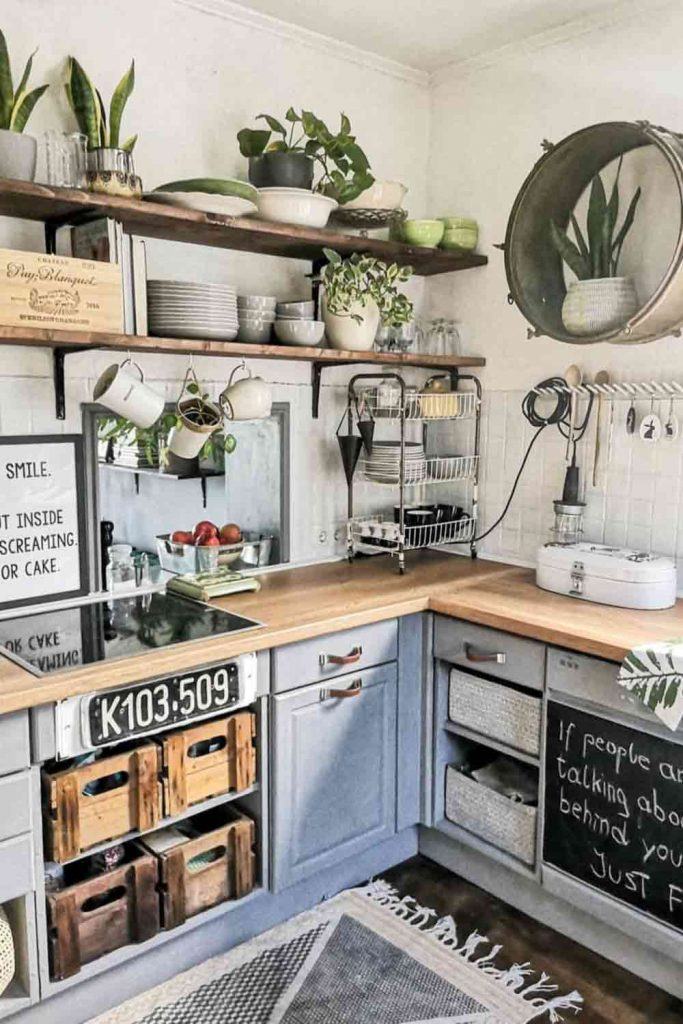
x=573, y=377
x=350, y=448
x=601, y=378
x=366, y=428
x=671, y=426
x=196, y=419
x=651, y=426
x=631, y=418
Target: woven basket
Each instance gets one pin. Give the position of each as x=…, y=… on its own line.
x=495, y=710
x=7, y=962
x=599, y=304
x=508, y=825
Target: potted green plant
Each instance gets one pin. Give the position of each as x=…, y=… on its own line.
x=153, y=443
x=599, y=300
x=276, y=154
x=17, y=150
x=360, y=293
x=109, y=162
x=344, y=167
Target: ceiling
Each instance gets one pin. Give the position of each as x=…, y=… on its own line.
x=428, y=34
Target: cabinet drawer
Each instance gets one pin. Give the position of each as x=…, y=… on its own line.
x=16, y=868
x=323, y=657
x=490, y=651
x=15, y=750
x=15, y=805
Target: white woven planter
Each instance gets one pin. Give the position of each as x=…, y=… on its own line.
x=7, y=960
x=599, y=304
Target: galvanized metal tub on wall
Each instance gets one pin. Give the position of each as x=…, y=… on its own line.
x=551, y=191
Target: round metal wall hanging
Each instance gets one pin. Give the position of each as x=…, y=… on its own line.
x=552, y=190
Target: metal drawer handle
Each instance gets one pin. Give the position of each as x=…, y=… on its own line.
x=472, y=654
x=351, y=658
x=353, y=691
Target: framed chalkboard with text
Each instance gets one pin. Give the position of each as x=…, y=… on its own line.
x=614, y=810
x=43, y=553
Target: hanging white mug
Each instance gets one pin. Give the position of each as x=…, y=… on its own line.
x=126, y=394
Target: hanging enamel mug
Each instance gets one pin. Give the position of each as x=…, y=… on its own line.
x=651, y=426
x=122, y=389
x=197, y=419
x=246, y=399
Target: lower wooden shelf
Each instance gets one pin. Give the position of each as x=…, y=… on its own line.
x=453, y=831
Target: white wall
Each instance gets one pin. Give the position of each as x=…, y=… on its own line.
x=488, y=120
x=200, y=77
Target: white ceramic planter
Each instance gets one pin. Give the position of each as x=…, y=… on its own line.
x=17, y=155
x=598, y=305
x=126, y=394
x=343, y=332
x=7, y=957
x=187, y=440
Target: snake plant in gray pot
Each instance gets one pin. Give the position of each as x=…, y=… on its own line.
x=17, y=150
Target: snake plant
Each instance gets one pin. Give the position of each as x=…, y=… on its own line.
x=599, y=256
x=16, y=107
x=86, y=102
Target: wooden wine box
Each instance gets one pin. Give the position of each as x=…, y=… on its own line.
x=41, y=290
x=97, y=914
x=208, y=759
x=203, y=861
x=92, y=803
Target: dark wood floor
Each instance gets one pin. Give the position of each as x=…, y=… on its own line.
x=611, y=995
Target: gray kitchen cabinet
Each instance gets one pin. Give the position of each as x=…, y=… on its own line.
x=333, y=772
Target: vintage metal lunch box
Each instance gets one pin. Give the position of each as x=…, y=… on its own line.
x=607, y=575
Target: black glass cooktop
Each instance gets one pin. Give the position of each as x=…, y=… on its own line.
x=63, y=638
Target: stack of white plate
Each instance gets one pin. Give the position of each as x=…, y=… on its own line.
x=384, y=464
x=184, y=309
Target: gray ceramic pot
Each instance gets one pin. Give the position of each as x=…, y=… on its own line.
x=17, y=155
x=281, y=170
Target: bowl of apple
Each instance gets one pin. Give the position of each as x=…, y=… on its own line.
x=202, y=549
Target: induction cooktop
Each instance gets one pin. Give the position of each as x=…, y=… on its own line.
x=56, y=640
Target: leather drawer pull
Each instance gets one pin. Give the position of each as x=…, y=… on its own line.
x=472, y=654
x=353, y=691
x=351, y=658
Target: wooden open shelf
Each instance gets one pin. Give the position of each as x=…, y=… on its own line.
x=53, y=205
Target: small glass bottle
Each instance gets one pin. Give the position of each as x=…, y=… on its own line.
x=120, y=569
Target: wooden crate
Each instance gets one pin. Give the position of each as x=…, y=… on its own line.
x=95, y=915
x=91, y=804
x=41, y=290
x=193, y=771
x=213, y=860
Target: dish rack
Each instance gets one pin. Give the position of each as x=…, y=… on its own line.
x=385, y=397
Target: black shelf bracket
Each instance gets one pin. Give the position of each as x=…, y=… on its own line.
x=58, y=359
x=317, y=368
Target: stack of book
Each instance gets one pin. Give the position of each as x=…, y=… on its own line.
x=136, y=456
x=203, y=586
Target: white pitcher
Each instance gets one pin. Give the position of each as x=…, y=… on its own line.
x=126, y=394
x=246, y=399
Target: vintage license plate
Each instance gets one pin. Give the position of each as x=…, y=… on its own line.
x=142, y=708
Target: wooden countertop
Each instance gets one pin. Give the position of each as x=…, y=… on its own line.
x=296, y=604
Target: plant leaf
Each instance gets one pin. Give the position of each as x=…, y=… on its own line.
x=345, y=125
x=22, y=111
x=21, y=88
x=625, y=228
x=252, y=142
x=569, y=252
x=85, y=103
x=273, y=124
x=597, y=209
x=129, y=144
x=583, y=248
x=293, y=118
x=6, y=87
x=119, y=99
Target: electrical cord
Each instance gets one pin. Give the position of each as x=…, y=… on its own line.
x=558, y=417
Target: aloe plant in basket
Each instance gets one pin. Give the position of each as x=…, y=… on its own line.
x=360, y=293
x=110, y=165
x=599, y=300
x=17, y=150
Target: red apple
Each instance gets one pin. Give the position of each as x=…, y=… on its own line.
x=182, y=537
x=205, y=526
x=230, y=534
x=207, y=540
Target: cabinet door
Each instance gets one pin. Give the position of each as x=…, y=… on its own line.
x=334, y=773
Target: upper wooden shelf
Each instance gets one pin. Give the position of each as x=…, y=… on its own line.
x=47, y=203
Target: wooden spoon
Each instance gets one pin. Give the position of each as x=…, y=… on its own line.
x=601, y=377
x=573, y=377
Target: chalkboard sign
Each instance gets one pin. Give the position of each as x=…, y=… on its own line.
x=42, y=512
x=614, y=810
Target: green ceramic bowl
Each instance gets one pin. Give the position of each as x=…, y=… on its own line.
x=426, y=233
x=461, y=234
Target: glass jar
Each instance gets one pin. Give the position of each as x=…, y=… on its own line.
x=443, y=337
x=120, y=569
x=65, y=158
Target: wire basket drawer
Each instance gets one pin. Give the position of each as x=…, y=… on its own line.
x=495, y=710
x=504, y=823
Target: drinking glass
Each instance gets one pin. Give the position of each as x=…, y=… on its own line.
x=65, y=159
x=443, y=337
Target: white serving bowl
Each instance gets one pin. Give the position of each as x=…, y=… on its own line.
x=304, y=310
x=253, y=320
x=256, y=302
x=381, y=195
x=300, y=332
x=295, y=206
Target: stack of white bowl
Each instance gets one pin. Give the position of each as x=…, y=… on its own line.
x=185, y=309
x=295, y=324
x=256, y=315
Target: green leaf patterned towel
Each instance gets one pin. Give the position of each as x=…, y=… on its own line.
x=654, y=674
